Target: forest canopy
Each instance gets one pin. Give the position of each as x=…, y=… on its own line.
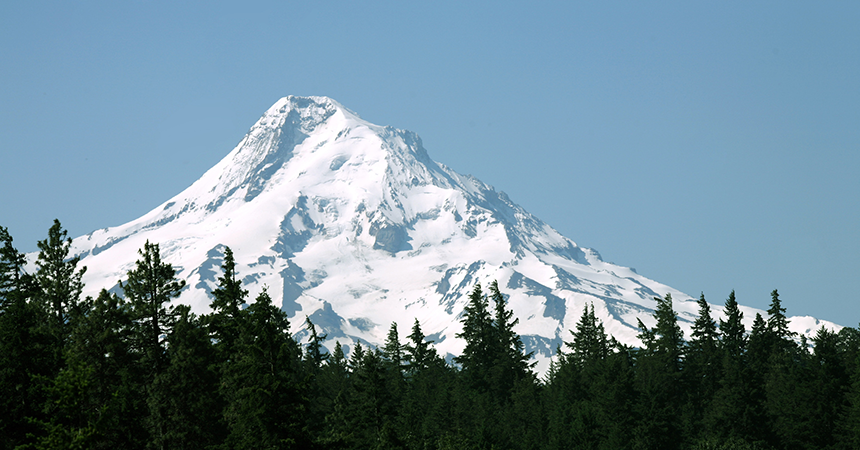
x=139, y=371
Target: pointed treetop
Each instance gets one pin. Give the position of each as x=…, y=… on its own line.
x=732, y=330
x=704, y=328
x=229, y=296
x=590, y=343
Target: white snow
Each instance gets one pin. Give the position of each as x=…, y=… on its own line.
x=320, y=206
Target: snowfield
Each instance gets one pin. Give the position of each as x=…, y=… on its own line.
x=353, y=225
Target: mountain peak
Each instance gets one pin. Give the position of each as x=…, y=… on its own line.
x=354, y=226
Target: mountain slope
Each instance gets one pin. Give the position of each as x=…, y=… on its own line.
x=353, y=225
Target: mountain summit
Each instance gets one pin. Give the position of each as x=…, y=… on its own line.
x=353, y=225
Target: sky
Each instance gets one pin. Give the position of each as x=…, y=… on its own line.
x=713, y=146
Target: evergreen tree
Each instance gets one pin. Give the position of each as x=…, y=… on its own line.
x=371, y=410
x=759, y=346
x=59, y=282
x=702, y=371
x=476, y=407
x=589, y=393
x=510, y=363
x=333, y=382
x=11, y=269
x=96, y=400
x=573, y=413
x=732, y=331
x=150, y=288
x=182, y=402
x=658, y=380
x=477, y=357
x=788, y=381
x=590, y=343
x=224, y=323
x=393, y=365
x=314, y=366
x=733, y=414
x=830, y=383
x=418, y=354
x=27, y=352
x=780, y=337
x=392, y=351
x=427, y=414
x=314, y=355
x=849, y=424
x=264, y=386
x=356, y=356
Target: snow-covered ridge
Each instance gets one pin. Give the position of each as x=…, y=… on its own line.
x=353, y=225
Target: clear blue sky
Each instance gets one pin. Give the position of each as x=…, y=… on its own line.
x=711, y=145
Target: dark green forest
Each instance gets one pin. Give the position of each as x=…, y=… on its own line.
x=137, y=372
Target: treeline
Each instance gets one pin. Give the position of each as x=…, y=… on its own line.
x=135, y=372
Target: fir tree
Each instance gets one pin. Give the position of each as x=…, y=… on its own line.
x=392, y=351
x=264, y=388
x=510, y=362
x=418, y=353
x=224, y=323
x=732, y=331
x=658, y=376
x=477, y=357
x=780, y=337
x=590, y=343
x=702, y=371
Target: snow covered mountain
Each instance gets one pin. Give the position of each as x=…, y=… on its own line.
x=353, y=225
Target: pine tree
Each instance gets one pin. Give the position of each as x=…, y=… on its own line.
x=426, y=408
x=27, y=352
x=59, y=282
x=150, y=288
x=787, y=381
x=333, y=382
x=733, y=413
x=356, y=356
x=669, y=340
